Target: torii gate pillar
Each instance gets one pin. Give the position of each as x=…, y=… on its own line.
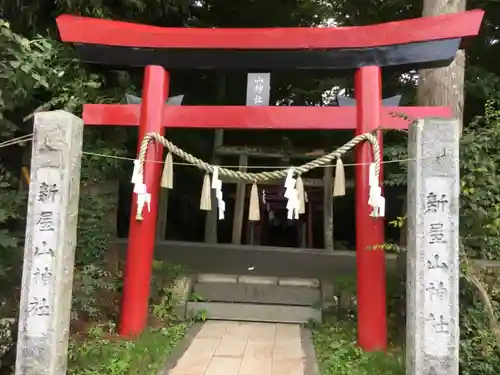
x=370, y=259
x=136, y=284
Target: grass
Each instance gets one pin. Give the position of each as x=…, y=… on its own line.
x=101, y=354
x=335, y=344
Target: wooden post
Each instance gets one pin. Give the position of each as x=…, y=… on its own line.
x=211, y=218
x=239, y=207
x=328, y=207
x=303, y=233
x=49, y=250
x=310, y=240
x=161, y=225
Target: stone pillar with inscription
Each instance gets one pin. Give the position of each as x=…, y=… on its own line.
x=49, y=248
x=433, y=269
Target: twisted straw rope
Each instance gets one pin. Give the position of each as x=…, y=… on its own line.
x=260, y=176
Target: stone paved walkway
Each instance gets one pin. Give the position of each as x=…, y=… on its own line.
x=238, y=348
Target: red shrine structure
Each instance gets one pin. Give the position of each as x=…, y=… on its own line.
x=409, y=44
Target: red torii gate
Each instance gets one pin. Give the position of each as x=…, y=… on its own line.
x=412, y=44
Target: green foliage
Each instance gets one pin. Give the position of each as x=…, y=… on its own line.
x=7, y=329
x=98, y=196
x=101, y=351
x=480, y=186
x=395, y=173
x=200, y=316
x=43, y=74
x=95, y=294
x=40, y=74
x=163, y=297
x=480, y=238
x=337, y=353
x=103, y=354
x=479, y=345
x=12, y=209
x=95, y=233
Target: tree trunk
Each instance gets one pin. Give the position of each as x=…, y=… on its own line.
x=439, y=87
x=443, y=86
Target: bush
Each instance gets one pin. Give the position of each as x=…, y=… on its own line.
x=101, y=355
x=480, y=186
x=335, y=345
x=480, y=238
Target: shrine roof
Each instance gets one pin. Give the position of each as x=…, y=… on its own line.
x=413, y=43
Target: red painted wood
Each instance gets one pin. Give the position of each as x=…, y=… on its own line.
x=134, y=313
x=370, y=262
x=107, y=32
x=249, y=117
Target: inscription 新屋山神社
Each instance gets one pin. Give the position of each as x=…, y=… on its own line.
x=436, y=273
x=45, y=237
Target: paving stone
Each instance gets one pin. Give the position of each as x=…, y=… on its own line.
x=215, y=329
x=231, y=346
x=239, y=329
x=287, y=331
x=200, y=348
x=250, y=366
x=288, y=349
x=261, y=331
x=243, y=348
x=223, y=366
x=191, y=366
x=288, y=367
x=258, y=350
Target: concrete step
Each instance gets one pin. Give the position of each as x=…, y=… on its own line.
x=254, y=312
x=262, y=290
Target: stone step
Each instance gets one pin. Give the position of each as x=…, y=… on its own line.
x=254, y=293
x=254, y=312
x=263, y=290
x=261, y=280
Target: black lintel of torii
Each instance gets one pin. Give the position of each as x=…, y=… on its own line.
x=173, y=100
x=344, y=101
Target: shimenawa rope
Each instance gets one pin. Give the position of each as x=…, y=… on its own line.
x=260, y=176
